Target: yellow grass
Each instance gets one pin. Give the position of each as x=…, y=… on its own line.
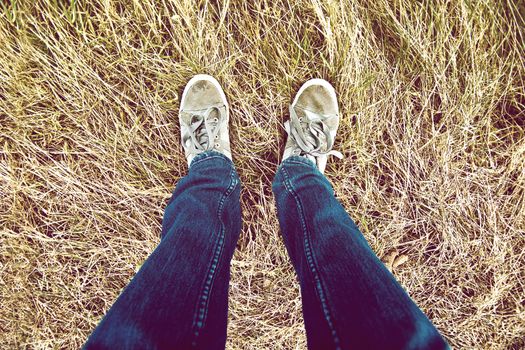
x=432, y=100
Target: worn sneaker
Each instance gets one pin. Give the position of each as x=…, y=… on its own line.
x=203, y=117
x=314, y=119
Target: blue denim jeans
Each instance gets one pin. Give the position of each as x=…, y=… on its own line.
x=179, y=298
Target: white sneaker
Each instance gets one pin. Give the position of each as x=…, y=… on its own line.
x=204, y=117
x=314, y=119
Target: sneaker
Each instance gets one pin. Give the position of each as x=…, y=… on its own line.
x=203, y=117
x=314, y=119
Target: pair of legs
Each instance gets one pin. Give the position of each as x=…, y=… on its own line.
x=179, y=298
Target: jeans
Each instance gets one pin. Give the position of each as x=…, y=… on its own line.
x=179, y=297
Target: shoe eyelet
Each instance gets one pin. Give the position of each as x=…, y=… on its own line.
x=215, y=120
x=217, y=145
x=216, y=137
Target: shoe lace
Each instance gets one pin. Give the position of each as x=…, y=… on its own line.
x=311, y=133
x=202, y=130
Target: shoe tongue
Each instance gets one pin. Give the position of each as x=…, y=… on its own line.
x=312, y=132
x=309, y=115
x=191, y=116
x=214, y=114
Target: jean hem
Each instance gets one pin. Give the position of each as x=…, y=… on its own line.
x=296, y=160
x=208, y=155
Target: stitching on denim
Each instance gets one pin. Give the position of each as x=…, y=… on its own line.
x=310, y=258
x=199, y=318
x=231, y=188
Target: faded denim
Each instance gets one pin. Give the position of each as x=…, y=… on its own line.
x=179, y=298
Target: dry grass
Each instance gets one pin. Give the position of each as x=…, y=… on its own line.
x=432, y=94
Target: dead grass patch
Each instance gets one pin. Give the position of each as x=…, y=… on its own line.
x=432, y=95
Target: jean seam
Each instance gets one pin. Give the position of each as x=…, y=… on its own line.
x=201, y=312
x=310, y=258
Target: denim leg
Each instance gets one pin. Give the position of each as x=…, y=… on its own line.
x=179, y=297
x=350, y=299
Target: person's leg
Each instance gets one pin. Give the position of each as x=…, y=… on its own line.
x=350, y=300
x=179, y=297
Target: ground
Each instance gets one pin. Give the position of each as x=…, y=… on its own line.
x=432, y=129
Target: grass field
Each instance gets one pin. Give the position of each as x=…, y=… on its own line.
x=432, y=95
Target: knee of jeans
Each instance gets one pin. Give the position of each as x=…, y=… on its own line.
x=331, y=241
x=194, y=235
